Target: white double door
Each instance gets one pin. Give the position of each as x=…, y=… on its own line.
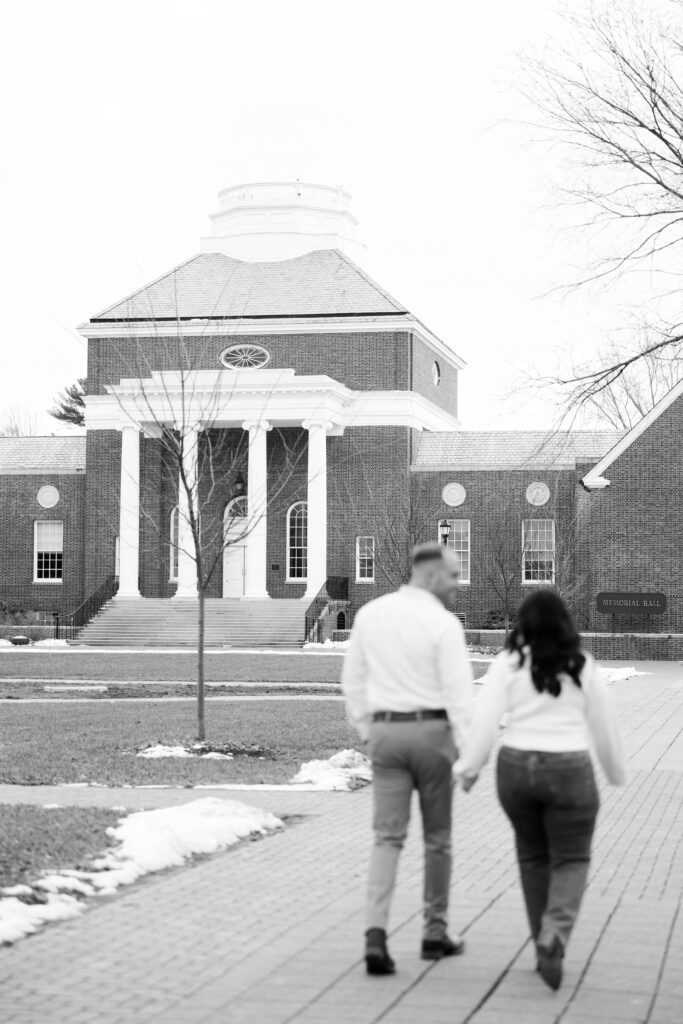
x=234, y=566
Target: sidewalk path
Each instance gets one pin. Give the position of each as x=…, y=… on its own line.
x=271, y=932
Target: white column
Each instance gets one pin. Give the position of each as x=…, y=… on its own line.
x=129, y=523
x=317, y=505
x=187, y=566
x=257, y=508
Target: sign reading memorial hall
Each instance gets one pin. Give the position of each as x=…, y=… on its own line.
x=631, y=604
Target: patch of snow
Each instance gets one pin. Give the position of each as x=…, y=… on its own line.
x=326, y=645
x=159, y=750
x=146, y=841
x=51, y=807
x=63, y=883
x=618, y=675
x=5, y=643
x=51, y=642
x=17, y=890
x=18, y=918
x=349, y=769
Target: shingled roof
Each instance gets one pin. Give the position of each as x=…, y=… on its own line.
x=42, y=455
x=215, y=286
x=462, y=450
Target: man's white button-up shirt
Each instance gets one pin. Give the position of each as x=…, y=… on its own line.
x=407, y=653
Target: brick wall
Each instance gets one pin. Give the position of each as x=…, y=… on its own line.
x=603, y=646
x=443, y=394
x=19, y=510
x=362, y=361
x=101, y=516
x=495, y=505
x=636, y=526
x=368, y=494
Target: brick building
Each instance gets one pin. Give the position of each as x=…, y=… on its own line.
x=319, y=420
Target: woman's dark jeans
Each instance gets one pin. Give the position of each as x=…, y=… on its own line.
x=552, y=802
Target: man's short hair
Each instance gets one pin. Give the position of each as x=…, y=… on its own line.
x=432, y=552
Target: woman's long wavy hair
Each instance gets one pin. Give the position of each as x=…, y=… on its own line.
x=545, y=627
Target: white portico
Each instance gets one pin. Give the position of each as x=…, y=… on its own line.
x=254, y=400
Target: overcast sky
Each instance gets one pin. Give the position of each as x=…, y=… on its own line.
x=121, y=129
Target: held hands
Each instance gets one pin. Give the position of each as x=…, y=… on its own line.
x=464, y=780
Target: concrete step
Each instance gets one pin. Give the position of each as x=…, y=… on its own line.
x=145, y=622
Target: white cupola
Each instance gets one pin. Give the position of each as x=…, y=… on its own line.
x=279, y=220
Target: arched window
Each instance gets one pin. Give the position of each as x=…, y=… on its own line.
x=235, y=519
x=173, y=545
x=341, y=620
x=297, y=542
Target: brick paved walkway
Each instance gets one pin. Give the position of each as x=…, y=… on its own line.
x=270, y=933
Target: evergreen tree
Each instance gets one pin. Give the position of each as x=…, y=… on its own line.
x=69, y=406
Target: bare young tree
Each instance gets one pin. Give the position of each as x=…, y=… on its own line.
x=612, y=99
x=16, y=422
x=504, y=559
x=184, y=410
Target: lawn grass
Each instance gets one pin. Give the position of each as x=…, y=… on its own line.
x=103, y=665
x=57, y=743
x=38, y=839
x=228, y=668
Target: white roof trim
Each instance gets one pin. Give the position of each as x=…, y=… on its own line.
x=595, y=480
x=228, y=398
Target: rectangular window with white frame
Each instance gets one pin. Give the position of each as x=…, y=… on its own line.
x=48, y=551
x=538, y=551
x=365, y=559
x=459, y=541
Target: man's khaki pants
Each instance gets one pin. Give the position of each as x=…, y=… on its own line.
x=406, y=756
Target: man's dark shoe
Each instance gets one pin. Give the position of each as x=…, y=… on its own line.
x=550, y=957
x=377, y=959
x=435, y=949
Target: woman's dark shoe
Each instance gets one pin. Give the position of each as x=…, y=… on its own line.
x=549, y=966
x=377, y=959
x=435, y=949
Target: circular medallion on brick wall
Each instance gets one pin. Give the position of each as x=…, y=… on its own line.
x=47, y=496
x=537, y=493
x=454, y=495
x=244, y=357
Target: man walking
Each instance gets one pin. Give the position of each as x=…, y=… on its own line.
x=408, y=688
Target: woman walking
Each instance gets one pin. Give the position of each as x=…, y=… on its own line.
x=556, y=704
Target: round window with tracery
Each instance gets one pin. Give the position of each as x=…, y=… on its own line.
x=245, y=357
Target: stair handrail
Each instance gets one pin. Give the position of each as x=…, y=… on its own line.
x=335, y=588
x=89, y=608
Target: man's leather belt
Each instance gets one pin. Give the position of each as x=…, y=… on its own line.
x=408, y=716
